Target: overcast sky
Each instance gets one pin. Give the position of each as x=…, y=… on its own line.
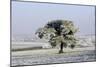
x=27, y=17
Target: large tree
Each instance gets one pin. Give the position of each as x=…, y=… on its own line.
x=59, y=32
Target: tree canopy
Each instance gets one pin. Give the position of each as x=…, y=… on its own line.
x=59, y=31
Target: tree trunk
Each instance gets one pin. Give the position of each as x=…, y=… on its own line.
x=61, y=47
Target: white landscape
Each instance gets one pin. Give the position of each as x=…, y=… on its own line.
x=37, y=51
x=41, y=31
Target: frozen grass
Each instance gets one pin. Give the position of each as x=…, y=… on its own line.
x=85, y=51
x=51, y=56
x=50, y=51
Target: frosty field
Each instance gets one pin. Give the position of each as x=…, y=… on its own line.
x=49, y=56
x=33, y=53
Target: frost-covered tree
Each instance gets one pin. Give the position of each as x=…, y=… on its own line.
x=59, y=32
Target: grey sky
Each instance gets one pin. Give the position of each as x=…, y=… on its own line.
x=29, y=16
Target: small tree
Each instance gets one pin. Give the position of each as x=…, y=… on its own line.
x=59, y=32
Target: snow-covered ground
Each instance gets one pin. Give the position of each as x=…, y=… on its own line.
x=87, y=40
x=51, y=56
x=23, y=45
x=83, y=41
x=85, y=51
